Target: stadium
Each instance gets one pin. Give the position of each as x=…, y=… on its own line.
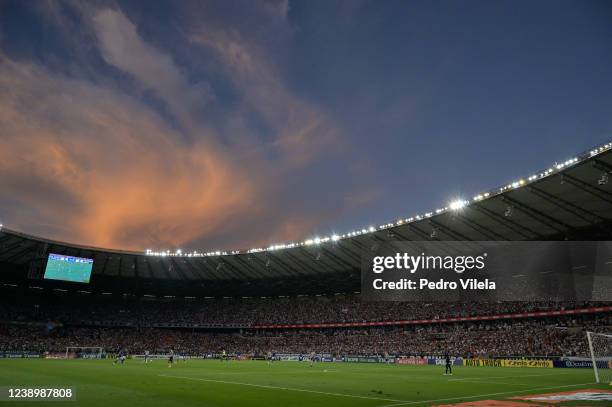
x=288, y=203
x=285, y=325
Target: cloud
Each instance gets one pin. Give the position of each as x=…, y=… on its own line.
x=278, y=7
x=114, y=174
x=300, y=131
x=122, y=46
x=87, y=157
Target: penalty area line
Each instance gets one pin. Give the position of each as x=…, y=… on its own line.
x=270, y=387
x=485, y=395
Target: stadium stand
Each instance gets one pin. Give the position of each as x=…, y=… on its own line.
x=547, y=336
x=48, y=323
x=303, y=297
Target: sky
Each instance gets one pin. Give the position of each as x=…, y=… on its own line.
x=236, y=124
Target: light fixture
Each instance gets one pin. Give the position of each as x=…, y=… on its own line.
x=457, y=205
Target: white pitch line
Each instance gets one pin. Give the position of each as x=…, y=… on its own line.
x=263, y=386
x=484, y=395
x=507, y=377
x=484, y=381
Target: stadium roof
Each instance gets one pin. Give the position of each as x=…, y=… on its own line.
x=568, y=201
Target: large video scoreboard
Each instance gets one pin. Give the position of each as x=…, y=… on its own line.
x=68, y=268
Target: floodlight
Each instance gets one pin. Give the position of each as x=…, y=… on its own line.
x=458, y=204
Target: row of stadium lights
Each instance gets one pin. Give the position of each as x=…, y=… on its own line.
x=452, y=206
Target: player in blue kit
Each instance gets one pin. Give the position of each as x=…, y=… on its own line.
x=121, y=356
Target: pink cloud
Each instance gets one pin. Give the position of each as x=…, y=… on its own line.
x=122, y=166
x=88, y=161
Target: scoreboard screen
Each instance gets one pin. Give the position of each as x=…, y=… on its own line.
x=68, y=268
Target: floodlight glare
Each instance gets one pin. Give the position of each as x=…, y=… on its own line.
x=456, y=205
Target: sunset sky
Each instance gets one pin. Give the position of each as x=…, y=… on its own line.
x=234, y=124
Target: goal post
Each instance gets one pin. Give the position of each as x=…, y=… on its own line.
x=85, y=352
x=600, y=350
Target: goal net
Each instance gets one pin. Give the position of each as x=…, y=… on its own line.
x=600, y=349
x=84, y=352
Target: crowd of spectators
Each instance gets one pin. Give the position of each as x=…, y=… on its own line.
x=561, y=336
x=204, y=326
x=255, y=311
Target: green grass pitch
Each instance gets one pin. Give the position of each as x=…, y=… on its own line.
x=255, y=383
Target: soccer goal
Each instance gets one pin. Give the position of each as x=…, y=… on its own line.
x=600, y=348
x=84, y=352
